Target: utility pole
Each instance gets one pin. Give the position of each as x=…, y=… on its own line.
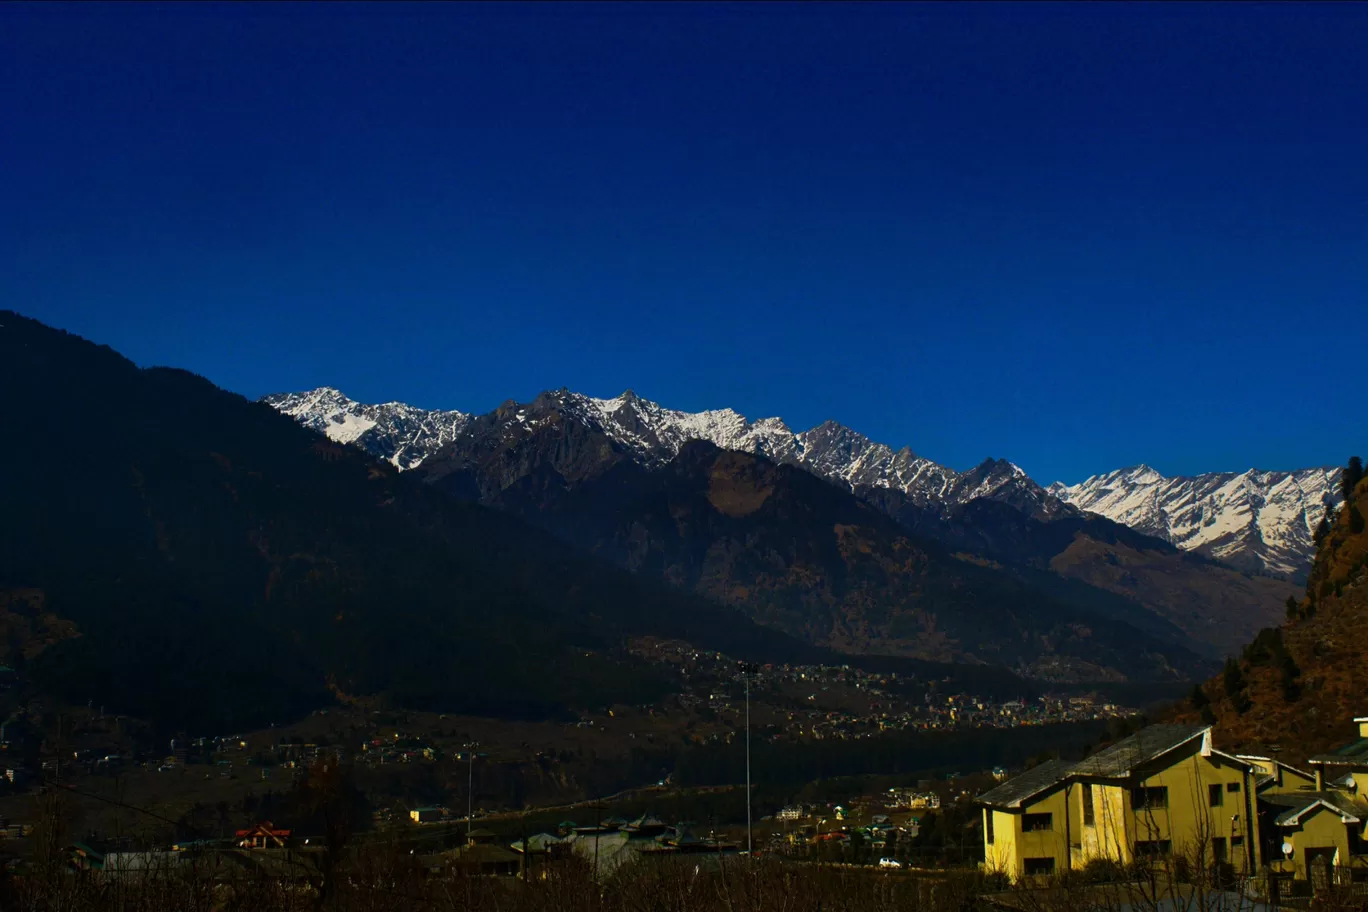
x=470, y=785
x=747, y=669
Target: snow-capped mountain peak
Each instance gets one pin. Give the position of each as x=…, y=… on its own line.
x=1257, y=520
x=396, y=432
x=653, y=434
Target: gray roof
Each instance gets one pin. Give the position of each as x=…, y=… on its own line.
x=1352, y=754
x=1123, y=757
x=1019, y=789
x=1297, y=804
x=1116, y=762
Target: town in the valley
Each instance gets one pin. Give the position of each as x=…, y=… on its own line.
x=458, y=791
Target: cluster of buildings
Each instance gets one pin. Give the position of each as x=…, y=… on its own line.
x=866, y=703
x=1169, y=792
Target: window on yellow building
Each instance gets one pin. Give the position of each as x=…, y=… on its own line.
x=1087, y=805
x=1036, y=823
x=1154, y=798
x=1155, y=848
x=1232, y=786
x=1215, y=795
x=988, y=827
x=1036, y=867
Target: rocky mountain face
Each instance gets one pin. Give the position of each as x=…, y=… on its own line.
x=400, y=434
x=1261, y=522
x=789, y=549
x=652, y=434
x=993, y=512
x=1258, y=522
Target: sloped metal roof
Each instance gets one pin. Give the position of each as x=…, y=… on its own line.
x=1354, y=753
x=1123, y=757
x=1019, y=789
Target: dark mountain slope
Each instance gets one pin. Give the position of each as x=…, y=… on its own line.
x=174, y=551
x=791, y=549
x=1215, y=605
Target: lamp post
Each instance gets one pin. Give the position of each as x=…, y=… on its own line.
x=747, y=669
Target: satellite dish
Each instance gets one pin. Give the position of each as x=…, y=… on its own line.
x=1287, y=849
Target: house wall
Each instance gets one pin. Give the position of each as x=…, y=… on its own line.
x=1188, y=823
x=1000, y=854
x=1292, y=781
x=1011, y=845
x=1109, y=836
x=1285, y=779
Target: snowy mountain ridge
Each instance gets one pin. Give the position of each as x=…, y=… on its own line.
x=398, y=433
x=1257, y=521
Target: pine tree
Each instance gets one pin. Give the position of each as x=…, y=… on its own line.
x=1291, y=690
x=1233, y=678
x=1350, y=477
x=1292, y=608
x=1322, y=530
x=1198, y=697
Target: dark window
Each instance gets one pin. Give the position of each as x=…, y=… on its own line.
x=1232, y=786
x=1087, y=805
x=1157, y=848
x=1218, y=849
x=1215, y=795
x=1149, y=799
x=1035, y=823
x=1038, y=866
x=1236, y=841
x=988, y=825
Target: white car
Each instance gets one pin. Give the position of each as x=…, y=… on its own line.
x=889, y=863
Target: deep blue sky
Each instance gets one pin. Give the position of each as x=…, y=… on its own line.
x=1078, y=237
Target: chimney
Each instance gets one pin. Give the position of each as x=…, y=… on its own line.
x=1363, y=726
x=1320, y=778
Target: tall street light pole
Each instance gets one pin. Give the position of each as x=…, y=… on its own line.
x=747, y=669
x=470, y=785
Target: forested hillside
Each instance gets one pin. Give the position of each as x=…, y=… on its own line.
x=1298, y=685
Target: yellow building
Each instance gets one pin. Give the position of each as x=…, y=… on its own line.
x=1164, y=791
x=1026, y=822
x=1323, y=832
x=1274, y=777
x=1311, y=831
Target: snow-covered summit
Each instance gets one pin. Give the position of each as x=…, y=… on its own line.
x=398, y=433
x=653, y=434
x=1261, y=521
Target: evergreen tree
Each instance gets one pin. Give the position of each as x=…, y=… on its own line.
x=1355, y=519
x=1351, y=476
x=1322, y=529
x=1292, y=607
x=1198, y=697
x=1233, y=678
x=1291, y=690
